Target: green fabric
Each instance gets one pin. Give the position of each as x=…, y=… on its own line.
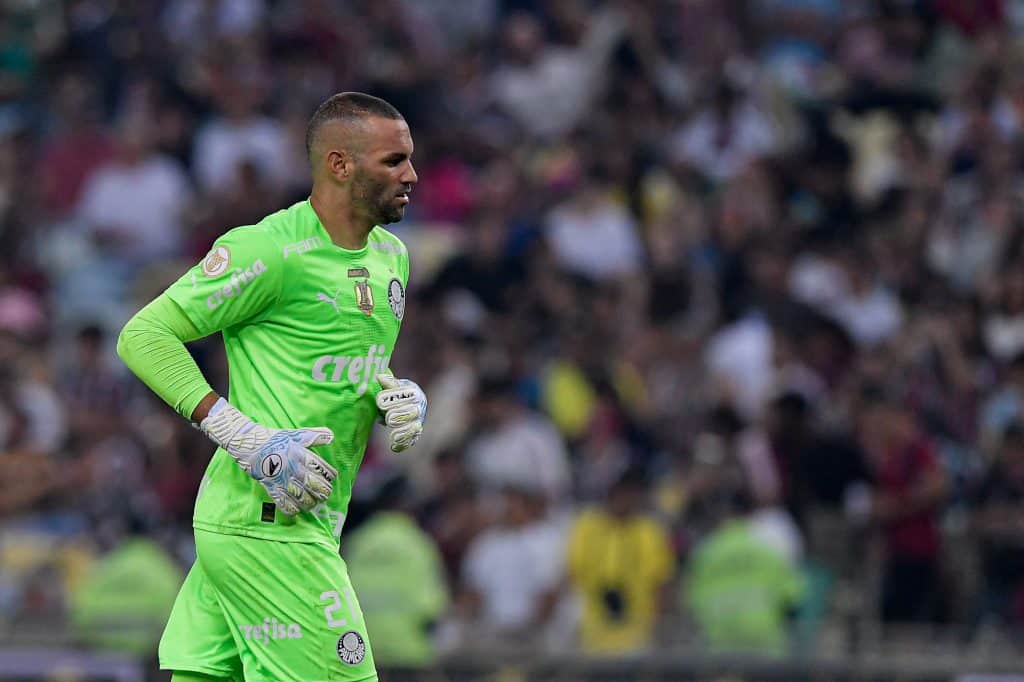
x=397, y=572
x=267, y=611
x=123, y=601
x=306, y=325
x=197, y=677
x=152, y=346
x=740, y=591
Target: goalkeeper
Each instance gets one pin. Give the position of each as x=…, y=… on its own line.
x=309, y=302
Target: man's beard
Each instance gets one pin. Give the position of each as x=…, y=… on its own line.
x=387, y=211
x=378, y=201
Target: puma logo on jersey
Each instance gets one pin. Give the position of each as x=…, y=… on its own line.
x=320, y=296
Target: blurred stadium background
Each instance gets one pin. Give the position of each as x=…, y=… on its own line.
x=719, y=305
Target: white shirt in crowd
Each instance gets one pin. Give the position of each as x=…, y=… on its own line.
x=513, y=568
x=141, y=205
x=599, y=241
x=527, y=452
x=222, y=145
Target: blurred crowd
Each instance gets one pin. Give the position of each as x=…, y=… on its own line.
x=719, y=305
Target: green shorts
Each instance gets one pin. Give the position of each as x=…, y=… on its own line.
x=266, y=611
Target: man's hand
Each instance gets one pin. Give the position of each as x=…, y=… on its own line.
x=296, y=479
x=405, y=408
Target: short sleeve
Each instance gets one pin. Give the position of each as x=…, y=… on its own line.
x=238, y=280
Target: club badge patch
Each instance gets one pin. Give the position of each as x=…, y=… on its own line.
x=396, y=298
x=217, y=261
x=351, y=648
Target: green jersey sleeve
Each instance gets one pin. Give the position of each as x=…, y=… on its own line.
x=238, y=281
x=152, y=346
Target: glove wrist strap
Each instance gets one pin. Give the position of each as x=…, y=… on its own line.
x=223, y=422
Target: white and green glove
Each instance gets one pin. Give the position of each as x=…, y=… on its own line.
x=404, y=405
x=296, y=478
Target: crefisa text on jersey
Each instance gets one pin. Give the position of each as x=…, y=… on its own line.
x=239, y=278
x=270, y=629
x=358, y=370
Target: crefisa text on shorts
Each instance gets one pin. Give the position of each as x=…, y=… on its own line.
x=270, y=629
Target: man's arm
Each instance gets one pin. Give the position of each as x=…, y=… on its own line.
x=204, y=407
x=152, y=345
x=401, y=402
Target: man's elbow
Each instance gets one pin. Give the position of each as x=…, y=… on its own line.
x=124, y=341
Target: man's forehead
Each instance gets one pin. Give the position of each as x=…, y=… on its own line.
x=387, y=132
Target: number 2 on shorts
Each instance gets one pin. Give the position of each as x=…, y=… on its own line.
x=336, y=605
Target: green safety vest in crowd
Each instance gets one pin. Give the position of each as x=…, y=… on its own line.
x=740, y=591
x=397, y=572
x=123, y=601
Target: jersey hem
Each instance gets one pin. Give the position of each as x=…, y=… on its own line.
x=244, y=531
x=201, y=669
x=371, y=678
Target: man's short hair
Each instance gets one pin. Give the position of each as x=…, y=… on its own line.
x=347, y=106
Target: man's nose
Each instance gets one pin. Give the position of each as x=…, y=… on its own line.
x=410, y=177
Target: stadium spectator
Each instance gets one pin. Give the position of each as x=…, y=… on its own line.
x=513, y=572
x=728, y=134
x=741, y=590
x=397, y=573
x=76, y=147
x=592, y=234
x=516, y=445
x=997, y=519
x=122, y=601
x=1005, y=404
x=240, y=133
x=93, y=394
x=620, y=562
x=910, y=486
x=547, y=88
x=132, y=207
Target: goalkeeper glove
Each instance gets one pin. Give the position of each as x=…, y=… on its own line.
x=295, y=478
x=405, y=408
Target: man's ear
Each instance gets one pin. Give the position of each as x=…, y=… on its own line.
x=340, y=163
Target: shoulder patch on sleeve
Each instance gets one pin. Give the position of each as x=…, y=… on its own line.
x=217, y=261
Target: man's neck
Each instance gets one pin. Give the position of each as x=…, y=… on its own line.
x=347, y=230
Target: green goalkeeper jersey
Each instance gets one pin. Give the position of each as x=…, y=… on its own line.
x=307, y=326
